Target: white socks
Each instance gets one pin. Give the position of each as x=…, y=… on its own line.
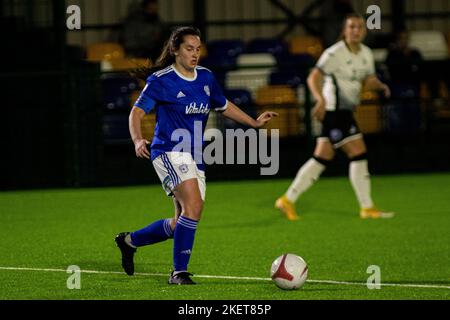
x=306, y=176
x=360, y=179
x=312, y=169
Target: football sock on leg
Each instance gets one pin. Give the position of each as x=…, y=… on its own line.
x=156, y=232
x=360, y=180
x=305, y=178
x=183, y=242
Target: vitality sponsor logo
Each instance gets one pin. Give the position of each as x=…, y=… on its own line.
x=192, y=108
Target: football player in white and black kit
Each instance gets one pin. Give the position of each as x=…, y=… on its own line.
x=336, y=83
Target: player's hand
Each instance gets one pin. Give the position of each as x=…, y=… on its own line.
x=386, y=91
x=319, y=110
x=140, y=147
x=264, y=118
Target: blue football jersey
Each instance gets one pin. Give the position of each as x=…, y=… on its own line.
x=181, y=103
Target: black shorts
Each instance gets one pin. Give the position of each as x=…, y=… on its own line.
x=339, y=127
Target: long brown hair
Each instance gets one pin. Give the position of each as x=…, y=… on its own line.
x=167, y=56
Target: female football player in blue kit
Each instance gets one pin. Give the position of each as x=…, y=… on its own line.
x=183, y=94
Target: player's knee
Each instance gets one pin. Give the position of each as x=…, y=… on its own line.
x=173, y=223
x=358, y=156
x=193, y=209
x=326, y=155
x=324, y=161
x=356, y=150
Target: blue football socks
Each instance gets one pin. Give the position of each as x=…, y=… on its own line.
x=156, y=232
x=183, y=242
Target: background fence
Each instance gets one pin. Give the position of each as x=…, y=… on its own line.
x=67, y=94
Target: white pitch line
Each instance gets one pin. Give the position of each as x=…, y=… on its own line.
x=411, y=285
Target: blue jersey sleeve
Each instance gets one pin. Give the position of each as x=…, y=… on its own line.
x=150, y=95
x=218, y=100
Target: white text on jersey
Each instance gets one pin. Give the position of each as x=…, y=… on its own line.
x=193, y=109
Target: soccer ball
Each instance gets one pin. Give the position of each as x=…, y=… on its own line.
x=289, y=271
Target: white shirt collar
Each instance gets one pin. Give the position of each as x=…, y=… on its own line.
x=184, y=77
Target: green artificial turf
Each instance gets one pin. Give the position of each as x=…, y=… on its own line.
x=240, y=234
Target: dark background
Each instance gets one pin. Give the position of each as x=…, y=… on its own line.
x=53, y=112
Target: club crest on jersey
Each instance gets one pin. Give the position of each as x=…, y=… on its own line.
x=192, y=108
x=208, y=93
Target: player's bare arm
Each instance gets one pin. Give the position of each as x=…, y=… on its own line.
x=315, y=81
x=140, y=144
x=234, y=113
x=373, y=83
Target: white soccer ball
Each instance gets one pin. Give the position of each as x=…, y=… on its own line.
x=289, y=271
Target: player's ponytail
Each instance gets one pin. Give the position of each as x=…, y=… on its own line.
x=167, y=56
